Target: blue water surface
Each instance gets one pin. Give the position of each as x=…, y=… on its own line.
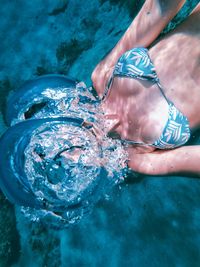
x=146, y=221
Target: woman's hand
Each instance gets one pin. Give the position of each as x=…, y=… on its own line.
x=184, y=159
x=154, y=163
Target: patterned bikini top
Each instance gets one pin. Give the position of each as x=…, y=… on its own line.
x=137, y=64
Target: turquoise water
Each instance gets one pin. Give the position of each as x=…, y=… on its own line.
x=147, y=221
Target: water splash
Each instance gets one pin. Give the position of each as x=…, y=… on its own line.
x=51, y=96
x=67, y=166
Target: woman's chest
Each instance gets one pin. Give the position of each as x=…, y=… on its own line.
x=136, y=112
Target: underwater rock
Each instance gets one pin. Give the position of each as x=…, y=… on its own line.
x=59, y=9
x=68, y=51
x=9, y=236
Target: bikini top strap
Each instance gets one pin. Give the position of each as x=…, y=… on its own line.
x=109, y=84
x=130, y=142
x=161, y=90
x=110, y=81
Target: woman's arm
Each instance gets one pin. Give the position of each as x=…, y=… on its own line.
x=150, y=21
x=184, y=160
x=148, y=24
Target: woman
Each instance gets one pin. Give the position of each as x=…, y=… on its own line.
x=55, y=137
x=148, y=91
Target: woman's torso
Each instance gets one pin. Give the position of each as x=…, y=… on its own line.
x=139, y=108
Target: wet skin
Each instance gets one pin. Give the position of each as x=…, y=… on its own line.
x=137, y=109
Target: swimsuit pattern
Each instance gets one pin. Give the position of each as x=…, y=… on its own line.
x=136, y=63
